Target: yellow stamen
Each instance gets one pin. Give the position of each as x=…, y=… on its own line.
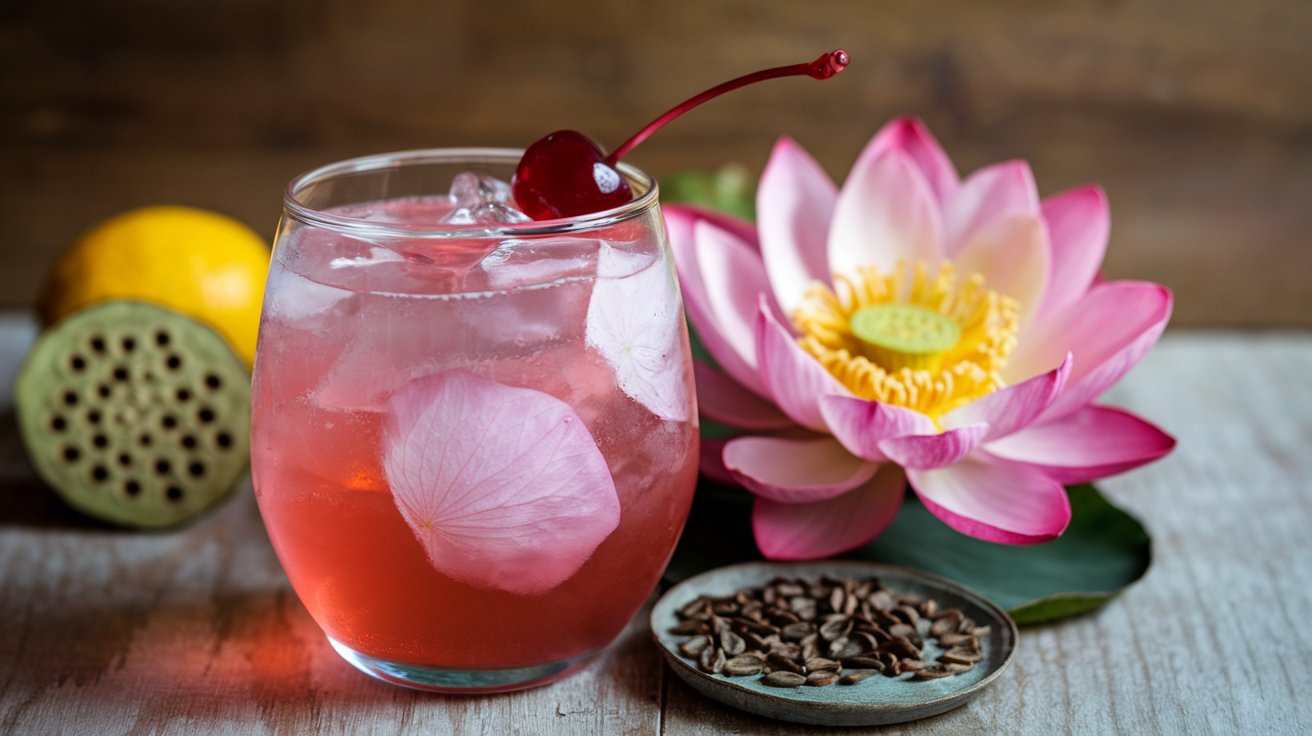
x=920, y=340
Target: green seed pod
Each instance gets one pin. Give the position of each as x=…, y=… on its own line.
x=134, y=414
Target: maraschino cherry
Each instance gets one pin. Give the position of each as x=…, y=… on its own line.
x=566, y=174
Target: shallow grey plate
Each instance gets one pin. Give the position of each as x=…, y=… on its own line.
x=875, y=701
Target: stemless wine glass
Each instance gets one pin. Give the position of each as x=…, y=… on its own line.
x=474, y=445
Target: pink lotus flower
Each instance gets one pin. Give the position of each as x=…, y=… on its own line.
x=913, y=327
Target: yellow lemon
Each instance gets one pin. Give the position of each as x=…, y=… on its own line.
x=202, y=264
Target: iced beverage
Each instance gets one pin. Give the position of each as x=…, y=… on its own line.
x=474, y=438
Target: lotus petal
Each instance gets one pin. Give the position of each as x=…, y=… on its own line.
x=503, y=486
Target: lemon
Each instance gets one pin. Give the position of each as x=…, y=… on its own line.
x=202, y=264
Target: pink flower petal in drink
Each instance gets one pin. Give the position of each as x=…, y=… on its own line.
x=633, y=322
x=503, y=486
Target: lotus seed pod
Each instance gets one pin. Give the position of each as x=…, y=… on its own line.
x=134, y=414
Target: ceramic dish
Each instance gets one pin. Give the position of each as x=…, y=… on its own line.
x=875, y=701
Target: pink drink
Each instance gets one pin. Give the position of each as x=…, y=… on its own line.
x=473, y=455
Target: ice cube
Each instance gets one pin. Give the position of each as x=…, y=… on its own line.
x=470, y=189
x=478, y=199
x=296, y=299
x=519, y=263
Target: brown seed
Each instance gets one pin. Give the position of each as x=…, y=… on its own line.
x=862, y=663
x=928, y=607
x=744, y=625
x=712, y=660
x=836, y=598
x=804, y=607
x=815, y=664
x=929, y=673
x=850, y=604
x=945, y=624
x=836, y=646
x=691, y=626
x=867, y=641
x=903, y=648
x=959, y=655
x=851, y=649
x=853, y=678
x=790, y=589
x=732, y=643
x=948, y=612
x=954, y=639
x=694, y=646
x=956, y=669
x=783, y=679
x=835, y=627
x=783, y=663
x=743, y=665
x=821, y=679
x=910, y=665
x=789, y=650
x=796, y=632
x=886, y=658
x=905, y=631
x=908, y=614
x=694, y=607
x=884, y=619
x=724, y=608
x=980, y=631
x=881, y=600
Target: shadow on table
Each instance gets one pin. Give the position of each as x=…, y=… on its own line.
x=245, y=657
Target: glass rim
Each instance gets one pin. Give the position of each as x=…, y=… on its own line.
x=309, y=215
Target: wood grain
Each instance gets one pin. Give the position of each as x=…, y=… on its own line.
x=104, y=631
x=1195, y=115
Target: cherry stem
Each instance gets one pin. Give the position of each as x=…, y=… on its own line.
x=822, y=68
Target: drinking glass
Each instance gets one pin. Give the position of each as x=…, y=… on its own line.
x=474, y=445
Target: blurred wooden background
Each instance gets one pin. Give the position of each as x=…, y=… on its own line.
x=1196, y=115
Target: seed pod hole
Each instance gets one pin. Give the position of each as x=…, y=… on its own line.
x=129, y=344
x=188, y=442
x=183, y=395
x=103, y=391
x=93, y=416
x=205, y=415
x=145, y=440
x=197, y=470
x=100, y=441
x=132, y=488
x=70, y=398
x=223, y=440
x=168, y=421
x=173, y=362
x=58, y=424
x=173, y=494
x=213, y=382
x=125, y=459
x=120, y=373
x=163, y=466
x=162, y=338
x=98, y=344
x=78, y=364
x=99, y=474
x=71, y=454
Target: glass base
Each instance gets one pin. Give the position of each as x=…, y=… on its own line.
x=440, y=680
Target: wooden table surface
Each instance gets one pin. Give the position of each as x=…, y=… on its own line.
x=105, y=631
